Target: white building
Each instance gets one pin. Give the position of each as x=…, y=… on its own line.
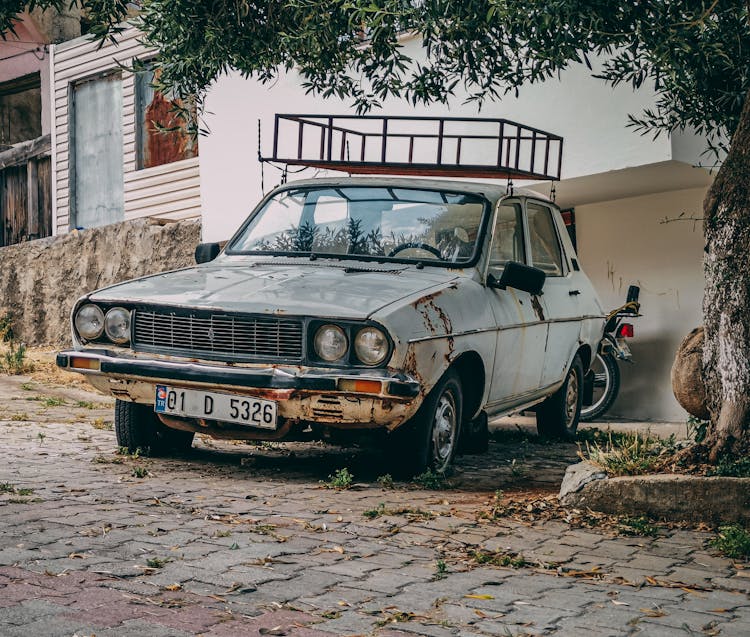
x=622, y=185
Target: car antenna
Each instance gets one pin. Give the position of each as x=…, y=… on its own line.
x=509, y=187
x=552, y=191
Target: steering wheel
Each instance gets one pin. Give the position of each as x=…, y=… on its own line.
x=421, y=246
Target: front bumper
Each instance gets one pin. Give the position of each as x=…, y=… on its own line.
x=327, y=396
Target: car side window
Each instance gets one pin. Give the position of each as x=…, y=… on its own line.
x=507, y=242
x=545, y=245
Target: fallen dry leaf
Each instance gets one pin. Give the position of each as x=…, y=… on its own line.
x=479, y=596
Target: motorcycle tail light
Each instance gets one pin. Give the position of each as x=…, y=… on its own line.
x=625, y=330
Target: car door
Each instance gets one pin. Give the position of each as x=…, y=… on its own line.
x=521, y=329
x=561, y=294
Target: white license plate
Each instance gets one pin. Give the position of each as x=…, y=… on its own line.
x=192, y=403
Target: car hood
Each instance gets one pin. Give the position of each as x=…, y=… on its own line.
x=344, y=290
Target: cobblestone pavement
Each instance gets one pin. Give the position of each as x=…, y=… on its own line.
x=234, y=540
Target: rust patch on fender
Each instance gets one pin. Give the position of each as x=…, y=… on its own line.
x=537, y=306
x=431, y=308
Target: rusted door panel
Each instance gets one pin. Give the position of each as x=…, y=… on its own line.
x=13, y=204
x=521, y=339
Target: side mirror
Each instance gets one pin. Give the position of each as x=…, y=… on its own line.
x=519, y=276
x=633, y=293
x=206, y=252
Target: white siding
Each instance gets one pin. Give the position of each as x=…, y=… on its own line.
x=169, y=191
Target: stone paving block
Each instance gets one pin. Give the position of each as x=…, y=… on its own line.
x=535, y=615
x=29, y=611
x=49, y=626
x=387, y=581
x=351, y=622
x=350, y=568
x=578, y=625
x=332, y=599
x=688, y=576
x=138, y=628
x=735, y=629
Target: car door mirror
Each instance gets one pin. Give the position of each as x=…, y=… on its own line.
x=519, y=276
x=206, y=252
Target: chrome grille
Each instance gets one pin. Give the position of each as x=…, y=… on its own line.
x=224, y=335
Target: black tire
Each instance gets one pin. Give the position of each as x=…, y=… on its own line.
x=475, y=437
x=557, y=417
x=606, y=379
x=138, y=427
x=430, y=439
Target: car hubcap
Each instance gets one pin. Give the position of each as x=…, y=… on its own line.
x=571, y=398
x=444, y=430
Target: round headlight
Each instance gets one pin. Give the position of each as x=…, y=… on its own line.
x=117, y=325
x=371, y=346
x=89, y=322
x=330, y=343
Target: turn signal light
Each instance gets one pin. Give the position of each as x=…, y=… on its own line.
x=79, y=362
x=625, y=330
x=360, y=386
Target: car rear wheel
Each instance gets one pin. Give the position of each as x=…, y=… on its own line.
x=558, y=416
x=138, y=427
x=430, y=439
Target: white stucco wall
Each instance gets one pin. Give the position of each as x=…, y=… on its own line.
x=590, y=116
x=624, y=241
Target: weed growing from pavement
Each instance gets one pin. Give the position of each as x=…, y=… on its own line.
x=341, y=480
x=41, y=436
x=386, y=481
x=14, y=360
x=431, y=480
x=20, y=417
x=441, y=570
x=157, y=562
x=27, y=386
x=139, y=471
x=85, y=404
x=733, y=541
x=7, y=487
x=637, y=526
x=48, y=401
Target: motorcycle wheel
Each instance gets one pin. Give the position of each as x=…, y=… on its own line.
x=606, y=386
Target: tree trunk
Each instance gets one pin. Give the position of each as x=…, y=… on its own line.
x=726, y=301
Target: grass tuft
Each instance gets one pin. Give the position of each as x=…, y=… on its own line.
x=733, y=541
x=341, y=480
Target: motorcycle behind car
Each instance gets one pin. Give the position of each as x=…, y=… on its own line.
x=602, y=383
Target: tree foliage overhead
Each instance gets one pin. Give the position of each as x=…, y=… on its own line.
x=694, y=53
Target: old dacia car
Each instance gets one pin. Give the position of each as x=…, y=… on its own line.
x=413, y=307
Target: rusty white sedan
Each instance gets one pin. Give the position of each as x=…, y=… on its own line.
x=411, y=309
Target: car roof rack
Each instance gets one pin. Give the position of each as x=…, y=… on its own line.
x=421, y=146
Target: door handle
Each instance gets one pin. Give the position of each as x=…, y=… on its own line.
x=574, y=292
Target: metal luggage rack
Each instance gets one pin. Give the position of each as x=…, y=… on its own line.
x=424, y=146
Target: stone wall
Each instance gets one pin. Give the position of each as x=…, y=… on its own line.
x=41, y=280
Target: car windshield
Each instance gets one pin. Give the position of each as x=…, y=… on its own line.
x=401, y=224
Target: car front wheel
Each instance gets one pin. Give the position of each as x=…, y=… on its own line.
x=138, y=427
x=430, y=439
x=558, y=416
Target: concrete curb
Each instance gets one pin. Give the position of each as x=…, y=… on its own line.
x=673, y=497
